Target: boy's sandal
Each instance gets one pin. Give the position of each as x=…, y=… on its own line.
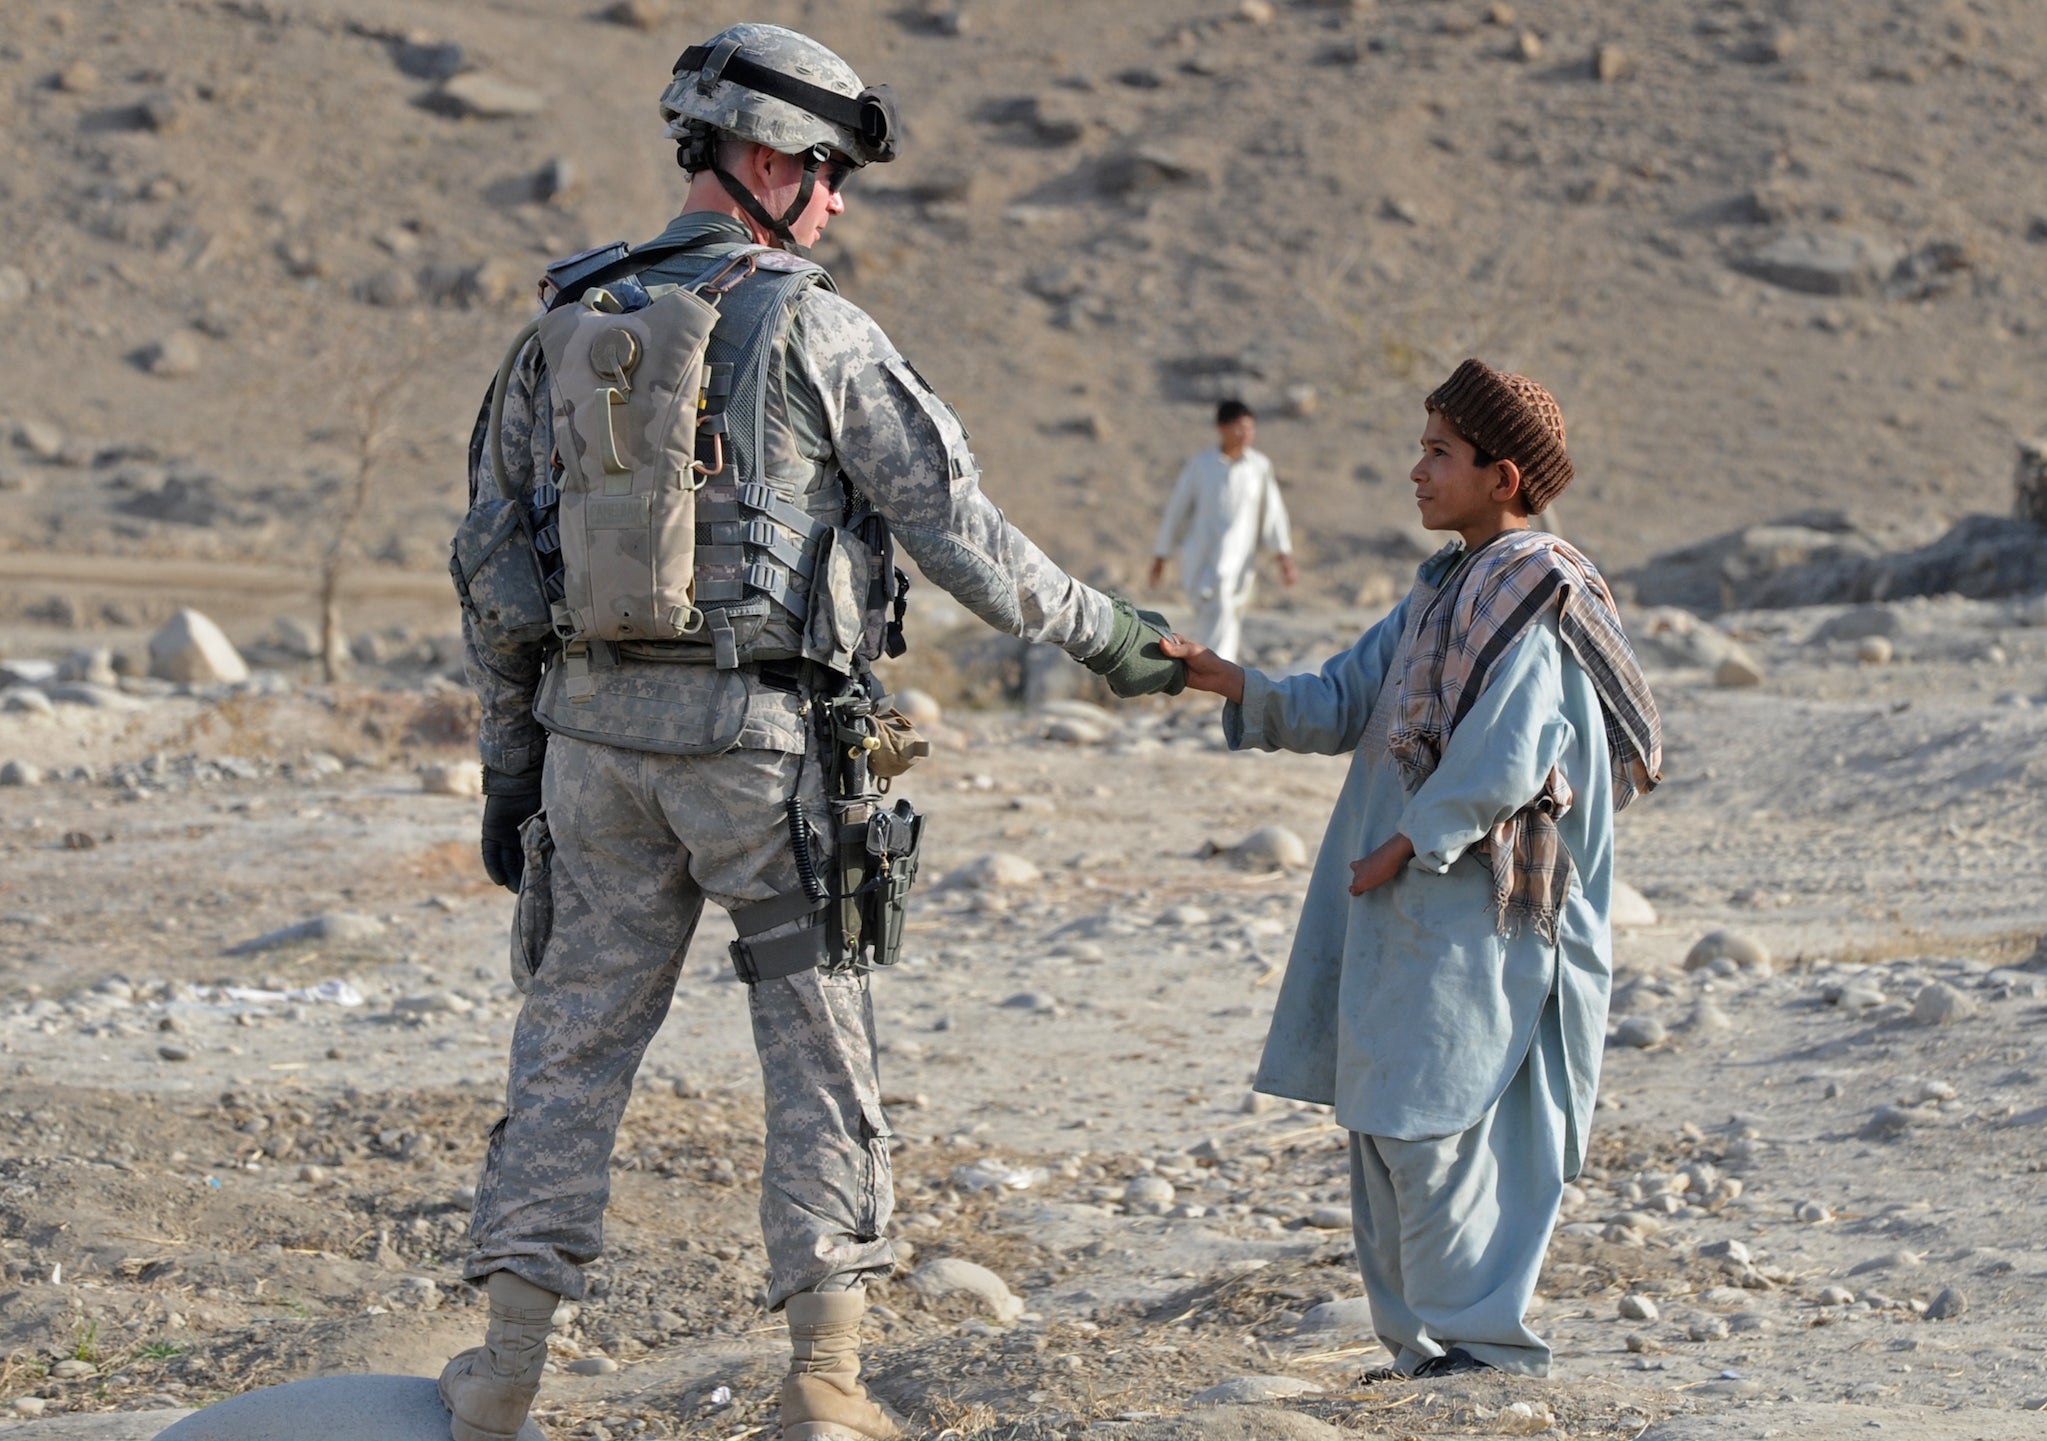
x=1454, y=1362
x=1380, y=1375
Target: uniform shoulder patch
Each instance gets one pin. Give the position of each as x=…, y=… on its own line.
x=782, y=260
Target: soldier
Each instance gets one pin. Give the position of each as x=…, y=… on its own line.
x=643, y=752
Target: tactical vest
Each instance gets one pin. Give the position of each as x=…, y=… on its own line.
x=780, y=560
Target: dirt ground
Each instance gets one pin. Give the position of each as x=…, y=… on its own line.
x=207, y=1190
x=1770, y=254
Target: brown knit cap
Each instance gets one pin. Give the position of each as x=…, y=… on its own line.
x=1512, y=417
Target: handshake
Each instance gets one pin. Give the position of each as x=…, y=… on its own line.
x=1145, y=657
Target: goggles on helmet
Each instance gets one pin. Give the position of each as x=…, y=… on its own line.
x=869, y=117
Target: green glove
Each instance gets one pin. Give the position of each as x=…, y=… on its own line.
x=1132, y=662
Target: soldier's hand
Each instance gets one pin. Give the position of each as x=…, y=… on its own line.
x=508, y=803
x=1132, y=662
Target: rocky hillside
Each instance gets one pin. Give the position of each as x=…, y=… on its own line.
x=1772, y=255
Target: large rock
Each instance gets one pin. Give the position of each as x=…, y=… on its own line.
x=108, y=1426
x=1824, y=262
x=1725, y=572
x=486, y=97
x=192, y=649
x=331, y=1408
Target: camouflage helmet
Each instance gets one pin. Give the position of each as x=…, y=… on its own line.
x=779, y=89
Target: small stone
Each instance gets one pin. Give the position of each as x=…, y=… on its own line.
x=1949, y=1304
x=1630, y=908
x=1730, y=1251
x=1256, y=1103
x=1874, y=650
x=1036, y=1002
x=462, y=779
x=919, y=707
x=999, y=871
x=1708, y=1019
x=481, y=96
x=191, y=649
x=39, y=438
x=174, y=1053
x=1184, y=916
x=592, y=1366
x=1302, y=401
x=1070, y=731
x=1738, y=672
x=26, y=700
x=1889, y=1121
x=1744, y=951
x=1270, y=848
x=78, y=78
x=637, y=14
x=1528, y=46
x=1254, y=1390
x=88, y=665
x=20, y=773
x=1611, y=63
x=434, y=1003
x=1857, y=995
x=29, y=1405
x=72, y=1369
x=1258, y=12
x=1148, y=1194
x=1641, y=1032
x=312, y=1175
x=951, y=1276
x=336, y=928
x=1940, y=1004
x=1836, y=1296
x=1328, y=1218
x=1636, y=1307
x=1889, y=1261
x=172, y=358
x=1813, y=1213
x=1707, y=1328
x=1643, y=1345
x=1352, y=1314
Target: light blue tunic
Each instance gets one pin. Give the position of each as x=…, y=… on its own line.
x=1405, y=1008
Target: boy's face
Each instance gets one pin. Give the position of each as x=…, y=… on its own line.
x=1236, y=435
x=1451, y=489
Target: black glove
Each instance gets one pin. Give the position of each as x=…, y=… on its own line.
x=509, y=801
x=1132, y=662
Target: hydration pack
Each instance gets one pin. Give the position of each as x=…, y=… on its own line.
x=656, y=532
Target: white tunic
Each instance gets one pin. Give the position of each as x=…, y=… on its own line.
x=1222, y=513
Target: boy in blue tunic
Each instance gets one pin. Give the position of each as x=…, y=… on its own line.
x=1447, y=992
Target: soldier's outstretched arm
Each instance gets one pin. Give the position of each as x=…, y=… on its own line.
x=906, y=450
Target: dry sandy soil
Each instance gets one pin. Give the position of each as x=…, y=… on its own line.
x=204, y=1192
x=231, y=227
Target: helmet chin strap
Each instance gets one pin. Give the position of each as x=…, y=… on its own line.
x=750, y=203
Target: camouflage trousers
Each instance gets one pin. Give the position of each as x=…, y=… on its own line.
x=618, y=864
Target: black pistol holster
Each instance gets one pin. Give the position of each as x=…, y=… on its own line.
x=854, y=914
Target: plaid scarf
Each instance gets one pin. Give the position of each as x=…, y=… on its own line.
x=1464, y=622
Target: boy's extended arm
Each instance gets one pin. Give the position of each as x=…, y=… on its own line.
x=1322, y=713
x=1498, y=757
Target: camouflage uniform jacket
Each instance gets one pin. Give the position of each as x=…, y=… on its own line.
x=846, y=398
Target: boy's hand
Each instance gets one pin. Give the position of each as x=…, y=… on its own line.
x=1205, y=669
x=1381, y=866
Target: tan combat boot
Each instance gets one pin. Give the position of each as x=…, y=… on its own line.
x=822, y=1399
x=489, y=1388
